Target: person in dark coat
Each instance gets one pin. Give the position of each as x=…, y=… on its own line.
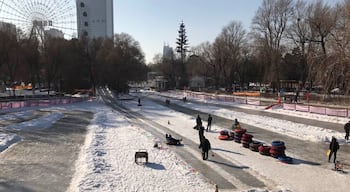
x=333, y=146
x=347, y=130
x=201, y=133
x=171, y=140
x=205, y=145
x=209, y=122
x=198, y=122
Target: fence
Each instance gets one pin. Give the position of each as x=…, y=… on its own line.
x=39, y=103
x=339, y=112
x=322, y=110
x=224, y=98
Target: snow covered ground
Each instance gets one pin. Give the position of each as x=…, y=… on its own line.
x=106, y=161
x=300, y=131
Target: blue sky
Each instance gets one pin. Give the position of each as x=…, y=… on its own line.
x=155, y=22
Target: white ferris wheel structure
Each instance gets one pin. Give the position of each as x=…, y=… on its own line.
x=34, y=17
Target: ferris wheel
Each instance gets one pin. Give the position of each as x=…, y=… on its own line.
x=34, y=17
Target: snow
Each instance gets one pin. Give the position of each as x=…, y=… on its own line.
x=106, y=160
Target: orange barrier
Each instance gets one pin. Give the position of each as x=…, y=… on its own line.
x=21, y=87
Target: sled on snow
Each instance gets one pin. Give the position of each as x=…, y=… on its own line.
x=339, y=167
x=141, y=154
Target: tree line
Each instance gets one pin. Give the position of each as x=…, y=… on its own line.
x=66, y=65
x=288, y=40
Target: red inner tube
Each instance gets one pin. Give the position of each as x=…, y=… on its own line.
x=242, y=131
x=223, y=137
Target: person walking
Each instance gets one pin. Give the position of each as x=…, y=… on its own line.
x=198, y=122
x=333, y=147
x=201, y=133
x=205, y=146
x=347, y=130
x=209, y=123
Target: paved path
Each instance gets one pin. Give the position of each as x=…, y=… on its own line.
x=44, y=161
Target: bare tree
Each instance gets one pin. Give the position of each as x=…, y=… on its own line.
x=31, y=54
x=53, y=61
x=198, y=63
x=322, y=21
x=339, y=43
x=204, y=56
x=270, y=23
x=299, y=31
x=120, y=62
x=10, y=58
x=233, y=36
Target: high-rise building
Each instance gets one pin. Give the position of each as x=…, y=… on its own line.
x=168, y=52
x=95, y=18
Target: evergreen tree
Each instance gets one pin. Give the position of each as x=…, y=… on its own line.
x=182, y=44
x=182, y=48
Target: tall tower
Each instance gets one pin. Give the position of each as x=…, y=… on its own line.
x=95, y=18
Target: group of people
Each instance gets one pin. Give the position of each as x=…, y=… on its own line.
x=204, y=142
x=199, y=124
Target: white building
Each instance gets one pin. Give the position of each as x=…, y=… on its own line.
x=95, y=18
x=197, y=82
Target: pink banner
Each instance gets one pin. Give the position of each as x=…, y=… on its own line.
x=337, y=112
x=318, y=110
x=288, y=106
x=44, y=103
x=242, y=101
x=303, y=108
x=18, y=104
x=253, y=102
x=7, y=105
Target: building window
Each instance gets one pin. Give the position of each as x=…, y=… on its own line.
x=84, y=14
x=86, y=33
x=86, y=23
x=82, y=4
